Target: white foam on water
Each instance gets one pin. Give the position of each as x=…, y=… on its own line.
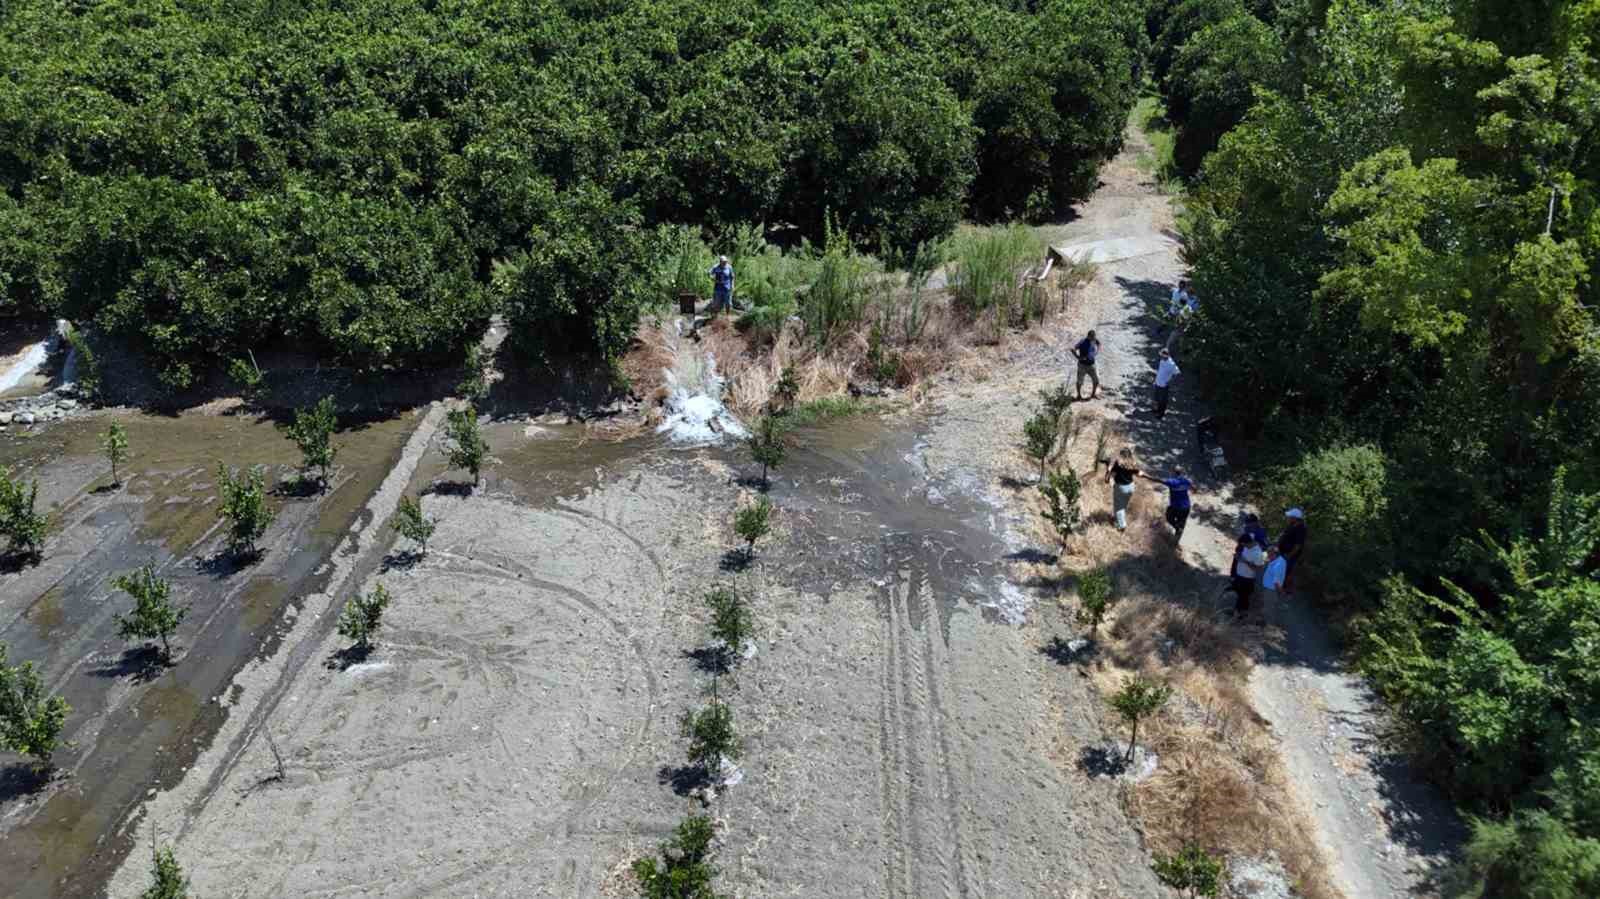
x=31, y=359
x=361, y=668
x=695, y=413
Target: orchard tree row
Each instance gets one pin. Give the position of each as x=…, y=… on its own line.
x=375, y=180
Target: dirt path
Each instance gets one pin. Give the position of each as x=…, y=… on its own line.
x=1380, y=831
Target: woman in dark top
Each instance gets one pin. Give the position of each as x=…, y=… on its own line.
x=1120, y=475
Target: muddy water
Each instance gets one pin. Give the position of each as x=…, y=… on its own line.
x=135, y=727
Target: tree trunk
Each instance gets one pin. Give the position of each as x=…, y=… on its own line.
x=1133, y=739
x=166, y=648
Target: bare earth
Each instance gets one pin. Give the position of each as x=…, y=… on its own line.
x=514, y=733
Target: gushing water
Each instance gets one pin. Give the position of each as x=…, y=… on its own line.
x=694, y=410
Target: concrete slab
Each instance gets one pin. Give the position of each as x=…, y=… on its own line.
x=1116, y=248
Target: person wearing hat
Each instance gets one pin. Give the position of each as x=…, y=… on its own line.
x=1178, y=488
x=721, y=285
x=1291, y=545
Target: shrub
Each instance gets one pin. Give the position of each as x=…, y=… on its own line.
x=1039, y=439
x=247, y=375
x=153, y=616
x=766, y=445
x=1094, y=597
x=787, y=389
x=730, y=621
x=474, y=385
x=882, y=364
x=115, y=444
x=166, y=877
x=23, y=527
x=711, y=735
x=412, y=524
x=1193, y=869
x=1062, y=492
x=467, y=448
x=1533, y=853
x=1345, y=494
x=312, y=432
x=684, y=870
x=363, y=615
x=244, y=506
x=837, y=294
x=30, y=722
x=90, y=381
x=752, y=523
x=988, y=267
x=1139, y=698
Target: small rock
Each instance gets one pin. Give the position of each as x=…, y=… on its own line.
x=5, y=418
x=24, y=418
x=67, y=405
x=1077, y=645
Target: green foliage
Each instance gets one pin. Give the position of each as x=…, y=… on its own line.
x=839, y=287
x=822, y=409
x=467, y=448
x=413, y=525
x=711, y=735
x=30, y=722
x=753, y=522
x=363, y=615
x=1039, y=434
x=1212, y=81
x=882, y=364
x=766, y=445
x=787, y=390
x=1193, y=869
x=474, y=384
x=244, y=507
x=987, y=269
x=247, y=375
x=1062, y=494
x=166, y=877
x=1346, y=495
x=153, y=616
x=731, y=621
x=90, y=380
x=23, y=527
x=114, y=442
x=1534, y=854
x=684, y=870
x=312, y=431
x=1139, y=698
x=1094, y=597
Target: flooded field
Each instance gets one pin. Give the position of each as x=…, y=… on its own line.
x=135, y=727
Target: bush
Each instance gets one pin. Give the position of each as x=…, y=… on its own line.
x=244, y=506
x=752, y=523
x=247, y=375
x=413, y=525
x=363, y=615
x=730, y=621
x=467, y=448
x=988, y=265
x=684, y=870
x=1193, y=869
x=1062, y=493
x=1138, y=699
x=312, y=432
x=837, y=295
x=30, y=722
x=1039, y=435
x=90, y=382
x=115, y=444
x=711, y=735
x=153, y=616
x=1345, y=494
x=1532, y=854
x=766, y=445
x=19, y=523
x=166, y=877
x=1094, y=597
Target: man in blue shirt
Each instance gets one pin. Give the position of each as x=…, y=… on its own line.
x=1086, y=351
x=1178, y=488
x=722, y=285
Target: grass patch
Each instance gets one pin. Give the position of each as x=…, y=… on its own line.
x=1151, y=119
x=822, y=409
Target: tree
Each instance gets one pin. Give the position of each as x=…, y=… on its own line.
x=730, y=621
x=684, y=870
x=247, y=375
x=1062, y=492
x=1039, y=438
x=467, y=447
x=166, y=877
x=786, y=391
x=312, y=431
x=30, y=722
x=412, y=524
x=752, y=523
x=19, y=523
x=1193, y=869
x=1139, y=698
x=244, y=506
x=362, y=616
x=153, y=615
x=766, y=445
x=115, y=443
x=1094, y=597
x=711, y=735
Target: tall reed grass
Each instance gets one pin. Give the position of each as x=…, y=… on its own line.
x=987, y=275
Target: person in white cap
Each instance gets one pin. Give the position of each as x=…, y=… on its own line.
x=1291, y=545
x=721, y=285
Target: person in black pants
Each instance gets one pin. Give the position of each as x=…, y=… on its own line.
x=1292, y=545
x=1178, y=488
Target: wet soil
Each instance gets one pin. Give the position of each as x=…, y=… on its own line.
x=135, y=723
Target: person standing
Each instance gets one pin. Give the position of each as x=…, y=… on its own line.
x=721, y=285
x=1291, y=546
x=1180, y=298
x=1086, y=352
x=1245, y=568
x=1120, y=476
x=1178, y=488
x=1253, y=534
x=1165, y=372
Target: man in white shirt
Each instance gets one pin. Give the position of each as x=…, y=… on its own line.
x=1245, y=568
x=1165, y=372
x=1180, y=298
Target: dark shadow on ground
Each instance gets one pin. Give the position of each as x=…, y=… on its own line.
x=753, y=482
x=19, y=781
x=450, y=488
x=103, y=489
x=683, y=778
x=714, y=660
x=342, y=659
x=1035, y=556
x=735, y=561
x=141, y=664
x=400, y=560
x=226, y=563
x=1102, y=761
x=13, y=562
x=1011, y=483
x=1059, y=651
